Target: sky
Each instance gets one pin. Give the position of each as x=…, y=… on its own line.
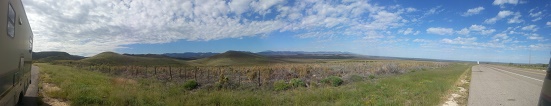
x=516, y=31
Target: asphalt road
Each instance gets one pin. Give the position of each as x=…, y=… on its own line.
x=31, y=96
x=493, y=85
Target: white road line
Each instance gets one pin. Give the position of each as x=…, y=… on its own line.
x=517, y=74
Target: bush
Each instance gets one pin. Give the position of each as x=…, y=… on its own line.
x=391, y=68
x=281, y=85
x=332, y=80
x=355, y=78
x=371, y=76
x=190, y=84
x=295, y=82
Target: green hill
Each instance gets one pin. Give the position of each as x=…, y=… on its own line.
x=236, y=58
x=112, y=58
x=53, y=56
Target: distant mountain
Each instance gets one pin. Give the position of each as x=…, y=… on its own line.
x=236, y=58
x=268, y=53
x=54, y=55
x=112, y=58
x=148, y=55
x=190, y=55
x=303, y=54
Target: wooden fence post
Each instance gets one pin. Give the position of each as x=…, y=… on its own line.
x=195, y=74
x=136, y=71
x=258, y=74
x=170, y=72
x=145, y=71
x=180, y=72
x=155, y=70
x=239, y=77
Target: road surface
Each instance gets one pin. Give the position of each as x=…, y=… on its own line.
x=494, y=85
x=31, y=96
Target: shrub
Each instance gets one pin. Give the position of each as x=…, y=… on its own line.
x=281, y=85
x=355, y=78
x=295, y=82
x=332, y=80
x=371, y=76
x=391, y=68
x=190, y=84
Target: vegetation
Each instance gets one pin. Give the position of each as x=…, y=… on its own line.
x=83, y=87
x=53, y=56
x=111, y=58
x=332, y=80
x=233, y=58
x=295, y=82
x=190, y=84
x=531, y=66
x=281, y=85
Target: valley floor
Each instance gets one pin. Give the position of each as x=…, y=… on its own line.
x=82, y=87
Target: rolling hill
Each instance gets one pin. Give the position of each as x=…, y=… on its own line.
x=236, y=58
x=53, y=56
x=112, y=58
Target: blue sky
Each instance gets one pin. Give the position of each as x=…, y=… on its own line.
x=488, y=30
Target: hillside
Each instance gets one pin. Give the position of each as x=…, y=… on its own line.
x=236, y=58
x=190, y=55
x=112, y=58
x=54, y=55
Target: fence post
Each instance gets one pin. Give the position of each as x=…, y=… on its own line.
x=185, y=74
x=170, y=72
x=195, y=74
x=239, y=77
x=258, y=74
x=136, y=71
x=155, y=71
x=145, y=71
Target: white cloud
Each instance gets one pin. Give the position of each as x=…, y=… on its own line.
x=473, y=11
x=87, y=28
x=440, y=31
x=548, y=23
x=460, y=40
x=408, y=31
x=434, y=10
x=240, y=6
x=416, y=32
x=537, y=16
x=516, y=18
x=422, y=40
x=500, y=15
x=501, y=2
x=535, y=37
x=410, y=9
x=486, y=32
x=532, y=28
x=464, y=31
x=500, y=36
x=477, y=27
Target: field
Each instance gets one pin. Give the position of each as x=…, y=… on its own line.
x=327, y=82
x=531, y=66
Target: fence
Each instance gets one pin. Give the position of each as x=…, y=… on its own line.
x=236, y=76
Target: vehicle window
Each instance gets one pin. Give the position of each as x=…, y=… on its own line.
x=11, y=21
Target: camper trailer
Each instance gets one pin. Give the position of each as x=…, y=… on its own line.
x=16, y=40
